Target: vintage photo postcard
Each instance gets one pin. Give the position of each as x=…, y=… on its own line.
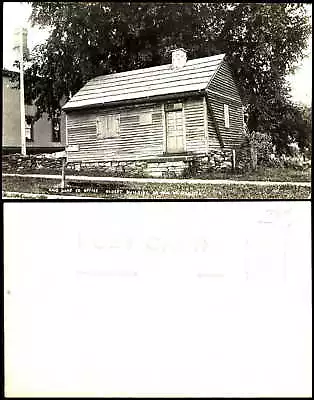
x=157, y=101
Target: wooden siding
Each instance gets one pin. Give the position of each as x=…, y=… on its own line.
x=231, y=136
x=214, y=137
x=194, y=126
x=135, y=140
x=223, y=83
x=223, y=90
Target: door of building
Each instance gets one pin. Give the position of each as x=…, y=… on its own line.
x=175, y=132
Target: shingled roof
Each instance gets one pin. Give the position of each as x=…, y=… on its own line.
x=146, y=83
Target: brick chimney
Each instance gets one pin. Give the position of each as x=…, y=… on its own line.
x=179, y=58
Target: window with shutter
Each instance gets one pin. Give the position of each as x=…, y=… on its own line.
x=107, y=126
x=226, y=114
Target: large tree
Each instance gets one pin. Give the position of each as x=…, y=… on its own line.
x=262, y=42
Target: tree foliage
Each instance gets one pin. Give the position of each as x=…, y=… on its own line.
x=295, y=125
x=262, y=42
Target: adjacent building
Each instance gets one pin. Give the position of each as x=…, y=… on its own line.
x=42, y=135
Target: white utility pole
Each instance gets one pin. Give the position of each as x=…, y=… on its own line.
x=22, y=103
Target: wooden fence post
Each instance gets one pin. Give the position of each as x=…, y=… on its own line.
x=233, y=160
x=62, y=185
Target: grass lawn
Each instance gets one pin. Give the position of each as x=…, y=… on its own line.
x=125, y=190
x=31, y=185
x=266, y=174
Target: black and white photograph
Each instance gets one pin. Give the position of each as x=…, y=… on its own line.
x=157, y=100
x=156, y=186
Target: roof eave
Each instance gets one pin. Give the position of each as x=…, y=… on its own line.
x=148, y=99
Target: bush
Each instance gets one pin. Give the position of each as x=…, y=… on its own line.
x=293, y=158
x=260, y=146
x=263, y=145
x=297, y=161
x=255, y=150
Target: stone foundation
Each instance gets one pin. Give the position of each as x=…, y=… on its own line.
x=16, y=163
x=162, y=167
x=167, y=167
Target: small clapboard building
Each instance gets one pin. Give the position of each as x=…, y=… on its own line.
x=155, y=121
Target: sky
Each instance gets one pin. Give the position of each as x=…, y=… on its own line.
x=16, y=14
